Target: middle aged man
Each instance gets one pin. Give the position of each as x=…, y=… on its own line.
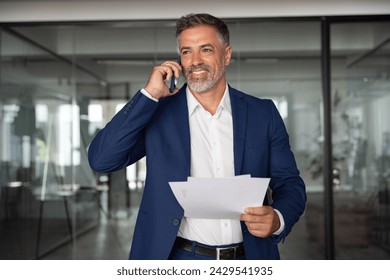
x=205, y=129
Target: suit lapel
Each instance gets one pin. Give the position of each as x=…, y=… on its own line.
x=239, y=112
x=180, y=115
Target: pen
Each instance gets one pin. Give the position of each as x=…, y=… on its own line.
x=173, y=80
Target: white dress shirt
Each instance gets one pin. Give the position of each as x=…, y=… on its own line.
x=211, y=138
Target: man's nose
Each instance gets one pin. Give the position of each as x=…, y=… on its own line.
x=196, y=59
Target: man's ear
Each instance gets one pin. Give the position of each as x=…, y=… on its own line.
x=228, y=54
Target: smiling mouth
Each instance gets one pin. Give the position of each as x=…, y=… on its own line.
x=198, y=72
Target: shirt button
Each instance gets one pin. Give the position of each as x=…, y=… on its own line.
x=176, y=222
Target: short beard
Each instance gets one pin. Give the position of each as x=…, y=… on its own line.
x=202, y=85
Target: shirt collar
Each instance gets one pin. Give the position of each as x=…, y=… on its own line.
x=192, y=103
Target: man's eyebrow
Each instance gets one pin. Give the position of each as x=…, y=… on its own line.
x=201, y=47
x=184, y=48
x=207, y=45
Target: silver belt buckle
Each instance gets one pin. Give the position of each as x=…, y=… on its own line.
x=218, y=250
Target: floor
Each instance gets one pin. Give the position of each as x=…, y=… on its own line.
x=111, y=240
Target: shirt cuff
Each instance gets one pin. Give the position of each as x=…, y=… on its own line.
x=281, y=228
x=147, y=94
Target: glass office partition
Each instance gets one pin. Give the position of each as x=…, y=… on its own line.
x=47, y=193
x=360, y=116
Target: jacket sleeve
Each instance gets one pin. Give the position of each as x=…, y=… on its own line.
x=288, y=188
x=122, y=141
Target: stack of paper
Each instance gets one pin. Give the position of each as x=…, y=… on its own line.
x=219, y=198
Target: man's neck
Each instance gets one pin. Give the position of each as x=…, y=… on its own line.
x=211, y=99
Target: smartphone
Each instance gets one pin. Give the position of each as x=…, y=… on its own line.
x=174, y=80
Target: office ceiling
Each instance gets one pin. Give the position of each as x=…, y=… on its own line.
x=274, y=53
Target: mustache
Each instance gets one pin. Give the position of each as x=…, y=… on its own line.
x=197, y=68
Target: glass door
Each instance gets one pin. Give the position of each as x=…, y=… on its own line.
x=361, y=139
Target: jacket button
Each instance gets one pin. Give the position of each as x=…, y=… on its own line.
x=176, y=222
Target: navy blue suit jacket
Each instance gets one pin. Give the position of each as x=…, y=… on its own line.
x=160, y=131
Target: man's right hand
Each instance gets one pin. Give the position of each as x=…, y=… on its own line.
x=156, y=86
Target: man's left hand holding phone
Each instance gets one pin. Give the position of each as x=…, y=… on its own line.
x=167, y=71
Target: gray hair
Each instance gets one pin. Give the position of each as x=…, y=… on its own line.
x=192, y=20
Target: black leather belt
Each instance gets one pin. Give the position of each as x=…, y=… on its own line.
x=228, y=253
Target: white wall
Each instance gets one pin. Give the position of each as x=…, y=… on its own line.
x=95, y=10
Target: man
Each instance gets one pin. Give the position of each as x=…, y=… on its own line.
x=205, y=129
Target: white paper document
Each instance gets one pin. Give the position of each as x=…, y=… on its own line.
x=219, y=198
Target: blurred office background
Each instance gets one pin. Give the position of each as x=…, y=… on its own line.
x=66, y=67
